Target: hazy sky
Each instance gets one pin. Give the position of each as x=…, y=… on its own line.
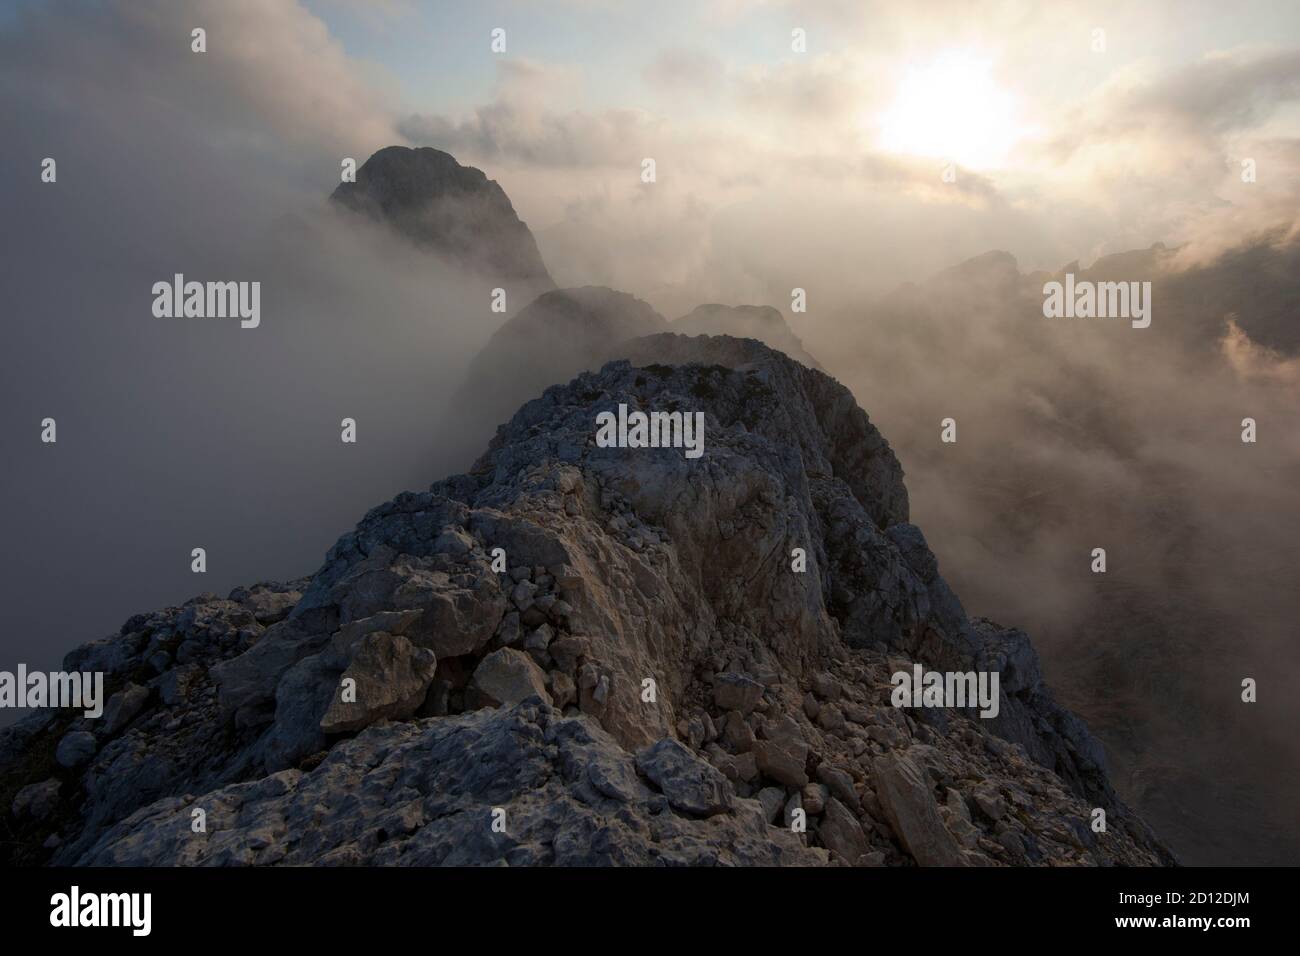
x=1063, y=151
x=775, y=167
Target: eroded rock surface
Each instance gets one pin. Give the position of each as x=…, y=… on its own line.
x=610, y=646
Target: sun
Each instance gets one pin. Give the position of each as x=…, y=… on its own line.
x=951, y=109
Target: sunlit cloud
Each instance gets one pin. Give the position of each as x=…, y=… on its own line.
x=951, y=108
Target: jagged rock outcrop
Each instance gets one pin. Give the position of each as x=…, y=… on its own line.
x=454, y=211
x=627, y=668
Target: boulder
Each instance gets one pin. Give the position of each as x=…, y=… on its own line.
x=689, y=783
x=392, y=677
x=504, y=677
x=912, y=812
x=841, y=833
x=772, y=800
x=122, y=708
x=783, y=754
x=37, y=800
x=736, y=692
x=75, y=749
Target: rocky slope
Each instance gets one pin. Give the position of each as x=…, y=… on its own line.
x=648, y=680
x=1054, y=420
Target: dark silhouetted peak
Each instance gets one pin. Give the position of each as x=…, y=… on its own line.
x=587, y=314
x=453, y=210
x=558, y=335
x=760, y=322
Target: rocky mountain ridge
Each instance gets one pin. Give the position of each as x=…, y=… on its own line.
x=646, y=679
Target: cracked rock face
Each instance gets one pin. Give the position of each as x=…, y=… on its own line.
x=610, y=646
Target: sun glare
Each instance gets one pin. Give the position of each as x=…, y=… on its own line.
x=950, y=109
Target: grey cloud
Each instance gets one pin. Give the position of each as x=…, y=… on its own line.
x=1221, y=94
x=529, y=121
x=508, y=132
x=685, y=69
x=183, y=433
x=818, y=89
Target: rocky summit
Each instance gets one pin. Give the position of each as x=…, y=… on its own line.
x=584, y=655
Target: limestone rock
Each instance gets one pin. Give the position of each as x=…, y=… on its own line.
x=913, y=813
x=506, y=677
x=122, y=708
x=76, y=749
x=690, y=784
x=571, y=794
x=839, y=783
x=783, y=761
x=37, y=800
x=392, y=677
x=736, y=692
x=841, y=833
x=783, y=754
x=772, y=800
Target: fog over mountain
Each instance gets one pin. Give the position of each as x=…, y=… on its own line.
x=176, y=434
x=924, y=299
x=455, y=211
x=485, y=689
x=1083, y=433
x=746, y=322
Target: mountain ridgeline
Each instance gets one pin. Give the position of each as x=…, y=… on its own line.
x=648, y=680
x=583, y=655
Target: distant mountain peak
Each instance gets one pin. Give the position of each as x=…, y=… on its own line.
x=761, y=322
x=453, y=210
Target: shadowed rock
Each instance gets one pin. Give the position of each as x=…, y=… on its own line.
x=652, y=597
